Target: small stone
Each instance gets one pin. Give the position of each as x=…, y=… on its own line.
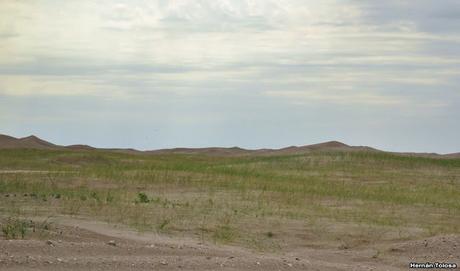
x=289, y=264
x=258, y=263
x=297, y=259
x=112, y=243
x=343, y=246
x=164, y=263
x=50, y=243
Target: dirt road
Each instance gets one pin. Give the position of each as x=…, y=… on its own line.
x=74, y=244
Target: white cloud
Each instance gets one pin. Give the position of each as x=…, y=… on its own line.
x=20, y=85
x=344, y=98
x=331, y=52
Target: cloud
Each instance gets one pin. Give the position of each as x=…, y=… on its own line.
x=424, y=15
x=305, y=97
x=201, y=16
x=197, y=56
x=44, y=86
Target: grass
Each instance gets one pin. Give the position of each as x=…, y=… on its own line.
x=320, y=198
x=142, y=198
x=14, y=228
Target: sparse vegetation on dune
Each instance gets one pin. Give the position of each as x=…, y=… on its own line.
x=268, y=202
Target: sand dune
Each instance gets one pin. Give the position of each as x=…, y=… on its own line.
x=453, y=155
x=30, y=142
x=80, y=147
x=33, y=142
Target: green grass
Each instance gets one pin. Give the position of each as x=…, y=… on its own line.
x=14, y=228
x=323, y=197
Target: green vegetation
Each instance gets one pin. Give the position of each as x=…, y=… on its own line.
x=143, y=198
x=13, y=228
x=320, y=198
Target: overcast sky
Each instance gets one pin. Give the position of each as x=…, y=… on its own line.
x=248, y=73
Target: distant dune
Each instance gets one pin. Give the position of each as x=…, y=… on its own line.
x=80, y=147
x=209, y=151
x=30, y=142
x=33, y=142
x=453, y=155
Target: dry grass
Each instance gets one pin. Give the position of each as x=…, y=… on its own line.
x=317, y=199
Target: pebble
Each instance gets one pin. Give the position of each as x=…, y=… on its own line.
x=343, y=246
x=112, y=243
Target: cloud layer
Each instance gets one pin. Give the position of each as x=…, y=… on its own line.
x=254, y=73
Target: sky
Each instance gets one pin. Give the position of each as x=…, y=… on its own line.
x=249, y=73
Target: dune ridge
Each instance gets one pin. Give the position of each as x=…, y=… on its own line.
x=34, y=142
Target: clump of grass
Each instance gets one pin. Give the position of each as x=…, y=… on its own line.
x=142, y=198
x=109, y=198
x=94, y=195
x=14, y=228
x=224, y=234
x=163, y=224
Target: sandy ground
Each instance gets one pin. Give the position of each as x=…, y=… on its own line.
x=76, y=244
